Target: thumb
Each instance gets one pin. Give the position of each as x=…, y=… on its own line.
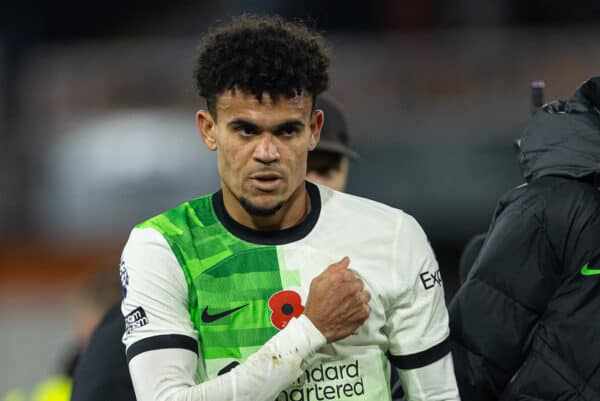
x=342, y=263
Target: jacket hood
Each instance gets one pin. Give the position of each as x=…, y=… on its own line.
x=563, y=137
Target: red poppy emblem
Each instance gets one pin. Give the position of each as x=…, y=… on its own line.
x=284, y=306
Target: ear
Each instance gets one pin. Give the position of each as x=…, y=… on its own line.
x=207, y=129
x=316, y=123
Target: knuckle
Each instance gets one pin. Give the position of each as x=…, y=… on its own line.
x=367, y=311
x=337, y=279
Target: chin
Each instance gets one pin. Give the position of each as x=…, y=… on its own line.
x=260, y=209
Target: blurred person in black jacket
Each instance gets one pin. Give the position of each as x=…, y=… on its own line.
x=468, y=257
x=524, y=326
x=102, y=373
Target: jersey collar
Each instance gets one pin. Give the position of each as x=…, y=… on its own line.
x=275, y=237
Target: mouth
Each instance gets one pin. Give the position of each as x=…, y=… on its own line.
x=266, y=181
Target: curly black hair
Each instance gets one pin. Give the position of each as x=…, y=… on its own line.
x=261, y=54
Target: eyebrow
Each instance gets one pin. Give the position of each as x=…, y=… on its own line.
x=286, y=125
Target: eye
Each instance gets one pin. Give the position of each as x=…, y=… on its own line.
x=246, y=130
x=288, y=131
x=325, y=171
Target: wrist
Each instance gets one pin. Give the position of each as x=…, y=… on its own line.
x=314, y=339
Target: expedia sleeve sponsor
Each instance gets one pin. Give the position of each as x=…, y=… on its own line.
x=431, y=279
x=136, y=319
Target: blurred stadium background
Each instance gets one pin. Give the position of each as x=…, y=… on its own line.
x=97, y=127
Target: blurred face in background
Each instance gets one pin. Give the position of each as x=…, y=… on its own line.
x=329, y=169
x=262, y=149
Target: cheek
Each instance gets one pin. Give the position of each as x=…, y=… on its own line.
x=230, y=157
x=226, y=167
x=300, y=166
x=300, y=154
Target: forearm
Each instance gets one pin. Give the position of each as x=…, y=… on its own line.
x=167, y=374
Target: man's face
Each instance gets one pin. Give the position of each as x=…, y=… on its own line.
x=335, y=178
x=261, y=147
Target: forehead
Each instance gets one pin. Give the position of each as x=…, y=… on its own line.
x=234, y=104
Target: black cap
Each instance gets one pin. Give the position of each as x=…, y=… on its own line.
x=334, y=133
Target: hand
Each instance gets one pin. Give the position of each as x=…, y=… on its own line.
x=337, y=302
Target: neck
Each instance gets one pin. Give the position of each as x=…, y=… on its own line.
x=293, y=212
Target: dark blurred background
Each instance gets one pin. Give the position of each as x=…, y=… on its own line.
x=97, y=127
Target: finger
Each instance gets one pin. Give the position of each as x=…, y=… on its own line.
x=359, y=315
x=356, y=274
x=360, y=285
x=350, y=276
x=344, y=262
x=341, y=264
x=363, y=297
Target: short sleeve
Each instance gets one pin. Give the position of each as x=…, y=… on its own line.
x=417, y=324
x=155, y=296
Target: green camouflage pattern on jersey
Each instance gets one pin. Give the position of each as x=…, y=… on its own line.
x=223, y=272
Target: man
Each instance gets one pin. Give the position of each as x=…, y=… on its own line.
x=262, y=290
x=329, y=163
x=102, y=371
x=525, y=323
x=468, y=256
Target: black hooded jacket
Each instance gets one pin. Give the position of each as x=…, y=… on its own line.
x=526, y=323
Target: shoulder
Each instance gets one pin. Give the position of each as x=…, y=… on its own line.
x=175, y=221
x=386, y=229
x=141, y=239
x=561, y=190
x=149, y=261
x=171, y=229
x=550, y=200
x=368, y=213
x=361, y=210
x=548, y=191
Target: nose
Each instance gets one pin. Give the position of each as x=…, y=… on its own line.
x=266, y=150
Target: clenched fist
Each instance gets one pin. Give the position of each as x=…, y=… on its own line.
x=337, y=301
